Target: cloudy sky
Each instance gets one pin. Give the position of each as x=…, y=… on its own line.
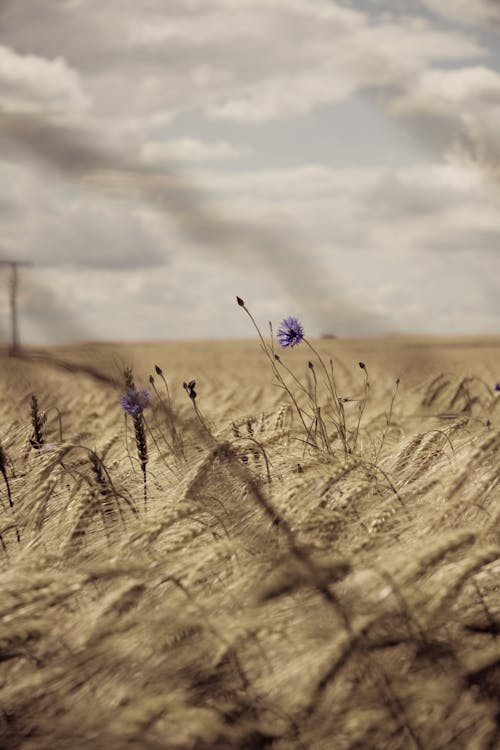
x=336, y=160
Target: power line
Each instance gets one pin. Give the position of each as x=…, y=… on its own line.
x=14, y=265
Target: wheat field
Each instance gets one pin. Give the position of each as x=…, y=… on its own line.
x=252, y=590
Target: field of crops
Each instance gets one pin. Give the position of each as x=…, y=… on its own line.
x=234, y=566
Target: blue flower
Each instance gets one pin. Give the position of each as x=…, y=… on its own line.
x=497, y=387
x=290, y=332
x=133, y=402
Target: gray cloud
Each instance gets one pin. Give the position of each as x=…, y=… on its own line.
x=9, y=209
x=95, y=235
x=67, y=226
x=394, y=199
x=43, y=309
x=466, y=11
x=481, y=245
x=71, y=152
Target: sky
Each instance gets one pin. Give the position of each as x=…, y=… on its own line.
x=338, y=161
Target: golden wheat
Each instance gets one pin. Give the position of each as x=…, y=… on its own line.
x=270, y=595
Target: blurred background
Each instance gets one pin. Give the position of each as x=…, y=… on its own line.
x=337, y=161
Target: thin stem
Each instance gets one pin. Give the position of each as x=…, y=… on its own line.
x=158, y=447
x=388, y=422
x=362, y=406
x=330, y=379
x=169, y=446
x=144, y=486
x=9, y=495
x=293, y=376
x=269, y=352
x=202, y=420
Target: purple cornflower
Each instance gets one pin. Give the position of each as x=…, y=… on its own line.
x=133, y=401
x=497, y=387
x=290, y=332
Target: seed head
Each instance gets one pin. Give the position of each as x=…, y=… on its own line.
x=158, y=370
x=190, y=388
x=240, y=302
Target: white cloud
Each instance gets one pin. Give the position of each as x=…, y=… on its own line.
x=246, y=61
x=458, y=90
x=332, y=64
x=30, y=84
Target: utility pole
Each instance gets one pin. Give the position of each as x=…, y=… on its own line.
x=13, y=285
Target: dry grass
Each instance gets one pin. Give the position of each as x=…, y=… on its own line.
x=269, y=595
